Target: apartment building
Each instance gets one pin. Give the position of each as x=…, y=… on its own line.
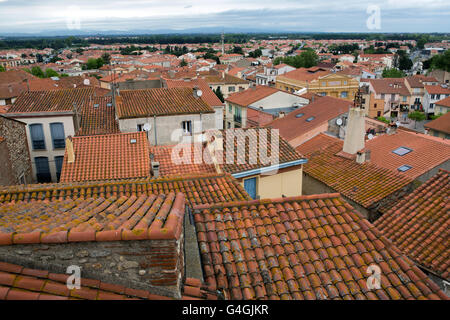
x=50, y=117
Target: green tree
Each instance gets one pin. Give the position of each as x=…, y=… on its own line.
x=441, y=61
x=2, y=68
x=404, y=62
x=183, y=63
x=434, y=117
x=255, y=54
x=219, y=94
x=393, y=73
x=106, y=58
x=37, y=71
x=306, y=59
x=51, y=73
x=416, y=116
x=383, y=119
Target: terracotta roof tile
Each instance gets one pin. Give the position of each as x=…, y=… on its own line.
x=15, y=286
x=159, y=102
x=208, y=95
x=112, y=156
x=426, y=153
x=50, y=101
x=441, y=124
x=322, y=109
x=312, y=276
x=419, y=224
x=38, y=221
x=169, y=167
x=251, y=95
x=98, y=116
x=197, y=188
x=305, y=74
x=437, y=90
x=366, y=183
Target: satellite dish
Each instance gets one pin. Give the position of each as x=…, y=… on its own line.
x=339, y=122
x=370, y=136
x=147, y=127
x=199, y=93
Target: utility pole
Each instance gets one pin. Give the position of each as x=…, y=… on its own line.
x=222, y=37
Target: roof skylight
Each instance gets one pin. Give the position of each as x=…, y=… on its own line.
x=404, y=168
x=401, y=151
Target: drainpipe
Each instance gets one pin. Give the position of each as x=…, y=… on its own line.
x=154, y=123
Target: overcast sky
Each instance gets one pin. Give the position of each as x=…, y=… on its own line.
x=288, y=15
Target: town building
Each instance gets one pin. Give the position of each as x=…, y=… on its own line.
x=227, y=84
x=434, y=94
x=323, y=114
x=439, y=127
x=51, y=116
x=166, y=114
x=14, y=153
x=267, y=99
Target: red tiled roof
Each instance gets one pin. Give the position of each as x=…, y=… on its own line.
x=98, y=116
x=419, y=224
x=50, y=101
x=208, y=95
x=197, y=188
x=251, y=95
x=92, y=219
x=307, y=247
x=226, y=79
x=444, y=102
x=306, y=74
x=258, y=118
x=426, y=153
x=366, y=183
x=63, y=83
x=390, y=86
x=441, y=124
x=322, y=109
x=20, y=283
x=111, y=156
x=437, y=90
x=241, y=142
x=159, y=102
x=169, y=167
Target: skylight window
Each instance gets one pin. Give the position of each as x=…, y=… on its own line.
x=404, y=168
x=299, y=115
x=401, y=151
x=109, y=104
x=310, y=119
x=96, y=105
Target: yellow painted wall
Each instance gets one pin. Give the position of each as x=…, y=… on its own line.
x=288, y=183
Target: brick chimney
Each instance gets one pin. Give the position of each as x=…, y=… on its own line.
x=69, y=149
x=354, y=135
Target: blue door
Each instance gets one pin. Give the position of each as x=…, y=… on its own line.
x=250, y=187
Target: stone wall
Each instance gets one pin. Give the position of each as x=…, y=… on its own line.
x=153, y=265
x=17, y=152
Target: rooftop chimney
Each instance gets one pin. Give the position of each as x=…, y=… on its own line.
x=355, y=133
x=69, y=148
x=155, y=169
